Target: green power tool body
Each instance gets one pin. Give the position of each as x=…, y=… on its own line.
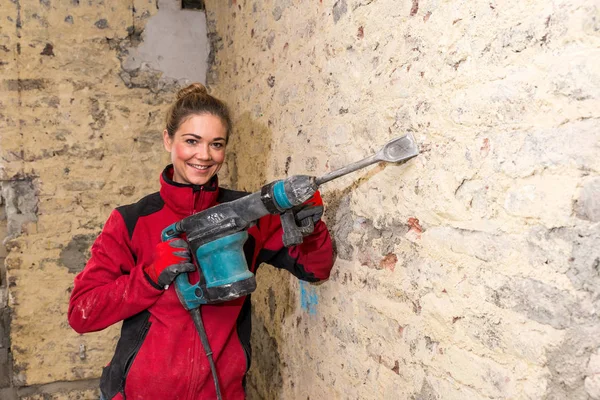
x=216, y=237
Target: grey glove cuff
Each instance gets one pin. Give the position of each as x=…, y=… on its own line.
x=308, y=211
x=168, y=275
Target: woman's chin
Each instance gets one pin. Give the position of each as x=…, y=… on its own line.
x=200, y=180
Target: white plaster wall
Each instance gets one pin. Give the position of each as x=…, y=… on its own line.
x=470, y=272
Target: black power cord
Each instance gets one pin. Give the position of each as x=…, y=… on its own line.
x=195, y=313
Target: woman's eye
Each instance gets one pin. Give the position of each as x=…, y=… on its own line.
x=191, y=141
x=217, y=145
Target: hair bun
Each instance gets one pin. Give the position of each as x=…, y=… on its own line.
x=194, y=88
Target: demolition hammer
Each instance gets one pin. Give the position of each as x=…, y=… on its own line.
x=216, y=236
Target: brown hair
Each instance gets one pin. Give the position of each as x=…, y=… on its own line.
x=195, y=100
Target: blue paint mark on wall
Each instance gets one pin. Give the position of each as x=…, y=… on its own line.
x=308, y=298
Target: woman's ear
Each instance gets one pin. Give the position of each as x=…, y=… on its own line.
x=167, y=142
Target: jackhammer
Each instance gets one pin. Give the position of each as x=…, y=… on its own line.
x=216, y=236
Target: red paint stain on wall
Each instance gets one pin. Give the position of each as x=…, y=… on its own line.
x=361, y=32
x=414, y=226
x=389, y=262
x=485, y=148
x=414, y=8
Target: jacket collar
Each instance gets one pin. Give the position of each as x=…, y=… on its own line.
x=186, y=199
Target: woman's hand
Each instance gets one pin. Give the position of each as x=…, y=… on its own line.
x=312, y=208
x=171, y=259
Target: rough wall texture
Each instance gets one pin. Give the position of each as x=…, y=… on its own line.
x=81, y=121
x=471, y=272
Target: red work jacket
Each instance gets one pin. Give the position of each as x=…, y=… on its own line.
x=159, y=354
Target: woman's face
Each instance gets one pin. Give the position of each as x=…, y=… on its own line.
x=197, y=149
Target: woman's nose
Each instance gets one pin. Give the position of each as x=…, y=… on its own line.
x=203, y=153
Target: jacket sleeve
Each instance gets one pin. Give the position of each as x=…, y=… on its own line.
x=310, y=261
x=111, y=287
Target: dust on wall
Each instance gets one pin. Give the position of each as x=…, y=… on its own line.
x=469, y=272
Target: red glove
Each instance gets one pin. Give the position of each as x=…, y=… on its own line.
x=171, y=259
x=312, y=207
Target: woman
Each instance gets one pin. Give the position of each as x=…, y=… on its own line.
x=128, y=277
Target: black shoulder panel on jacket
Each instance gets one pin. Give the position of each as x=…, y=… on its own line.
x=146, y=206
x=226, y=195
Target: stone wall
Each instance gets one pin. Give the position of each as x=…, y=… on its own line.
x=82, y=104
x=470, y=272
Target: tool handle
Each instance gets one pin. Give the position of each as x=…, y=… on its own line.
x=172, y=231
x=190, y=295
x=307, y=226
x=291, y=233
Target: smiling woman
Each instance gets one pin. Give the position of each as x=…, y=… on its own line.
x=130, y=272
x=197, y=149
x=196, y=135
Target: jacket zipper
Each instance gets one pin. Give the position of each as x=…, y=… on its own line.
x=195, y=199
x=192, y=394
